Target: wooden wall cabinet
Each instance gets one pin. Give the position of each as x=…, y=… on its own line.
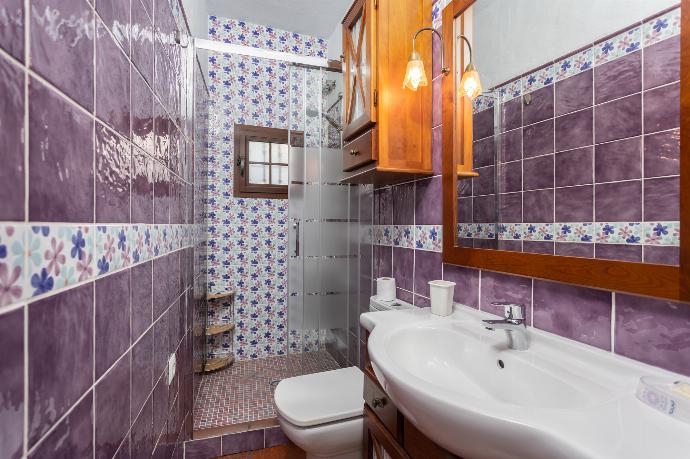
x=386, y=129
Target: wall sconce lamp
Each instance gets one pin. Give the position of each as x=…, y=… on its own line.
x=415, y=76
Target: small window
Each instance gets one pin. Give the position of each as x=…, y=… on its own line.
x=261, y=162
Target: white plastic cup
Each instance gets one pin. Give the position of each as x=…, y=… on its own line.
x=441, y=297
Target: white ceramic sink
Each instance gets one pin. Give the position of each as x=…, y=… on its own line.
x=463, y=387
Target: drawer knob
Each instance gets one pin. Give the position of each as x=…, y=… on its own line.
x=354, y=152
x=378, y=402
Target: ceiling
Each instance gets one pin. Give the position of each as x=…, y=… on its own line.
x=313, y=17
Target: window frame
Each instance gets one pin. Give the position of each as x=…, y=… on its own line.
x=241, y=186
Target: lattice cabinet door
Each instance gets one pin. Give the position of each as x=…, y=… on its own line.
x=359, y=68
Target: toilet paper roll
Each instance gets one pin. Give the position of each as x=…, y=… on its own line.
x=385, y=288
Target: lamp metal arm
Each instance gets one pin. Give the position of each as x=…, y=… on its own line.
x=445, y=70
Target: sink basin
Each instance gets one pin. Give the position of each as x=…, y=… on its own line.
x=466, y=390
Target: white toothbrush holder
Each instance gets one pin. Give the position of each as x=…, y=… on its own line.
x=441, y=297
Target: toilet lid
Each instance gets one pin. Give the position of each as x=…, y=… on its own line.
x=319, y=398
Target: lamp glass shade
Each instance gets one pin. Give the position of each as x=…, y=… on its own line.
x=415, y=76
x=470, y=84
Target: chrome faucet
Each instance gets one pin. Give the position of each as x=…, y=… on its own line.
x=513, y=324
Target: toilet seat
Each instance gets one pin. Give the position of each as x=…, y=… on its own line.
x=320, y=398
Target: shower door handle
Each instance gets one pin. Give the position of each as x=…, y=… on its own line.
x=295, y=226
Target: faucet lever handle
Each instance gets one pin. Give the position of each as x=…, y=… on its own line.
x=512, y=311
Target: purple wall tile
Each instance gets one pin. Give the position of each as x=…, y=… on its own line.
x=537, y=139
x=274, y=436
x=142, y=432
x=205, y=448
x=403, y=204
x=574, y=249
x=505, y=287
x=142, y=373
x=60, y=356
x=620, y=252
x=60, y=155
x=428, y=206
x=437, y=105
x=112, y=319
x=142, y=298
x=161, y=193
x=112, y=83
x=465, y=210
x=12, y=32
x=403, y=261
x=619, y=160
x=653, y=331
x=383, y=257
x=510, y=177
x=437, y=150
x=662, y=199
x=11, y=137
x=142, y=40
x=537, y=173
x=142, y=187
x=543, y=247
x=112, y=409
x=662, y=154
x=404, y=295
x=618, y=202
x=618, y=119
x=73, y=437
x=574, y=167
x=12, y=377
x=484, y=209
x=160, y=407
x=113, y=162
x=483, y=124
x=142, y=113
x=466, y=284
x=575, y=204
x=510, y=208
x=243, y=441
x=483, y=152
x=65, y=58
x=435, y=56
x=662, y=108
x=574, y=312
x=574, y=130
x=538, y=206
x=662, y=255
x=427, y=268
x=541, y=106
x=574, y=93
x=619, y=77
x=511, y=115
x=115, y=15
x=161, y=344
x=383, y=207
x=421, y=302
x=662, y=62
x=511, y=147
x=484, y=184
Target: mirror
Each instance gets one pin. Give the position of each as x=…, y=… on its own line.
x=568, y=165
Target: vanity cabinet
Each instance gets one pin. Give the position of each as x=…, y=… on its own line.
x=386, y=129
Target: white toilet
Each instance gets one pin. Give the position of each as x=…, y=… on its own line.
x=322, y=412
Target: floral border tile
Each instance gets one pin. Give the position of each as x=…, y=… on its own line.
x=428, y=237
x=58, y=256
x=511, y=231
x=618, y=46
x=574, y=232
x=404, y=236
x=619, y=233
x=510, y=90
x=539, y=231
x=383, y=235
x=140, y=237
x=538, y=79
x=662, y=233
x=113, y=249
x=482, y=103
x=574, y=64
x=661, y=27
x=12, y=269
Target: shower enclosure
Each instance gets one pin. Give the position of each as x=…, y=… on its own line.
x=322, y=217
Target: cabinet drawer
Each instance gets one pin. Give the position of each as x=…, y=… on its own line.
x=381, y=405
x=360, y=151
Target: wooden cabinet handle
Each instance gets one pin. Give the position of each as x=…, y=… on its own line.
x=354, y=152
x=378, y=402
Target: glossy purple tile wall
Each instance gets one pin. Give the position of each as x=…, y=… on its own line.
x=95, y=222
x=646, y=329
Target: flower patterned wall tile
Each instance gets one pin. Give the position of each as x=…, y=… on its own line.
x=12, y=268
x=661, y=28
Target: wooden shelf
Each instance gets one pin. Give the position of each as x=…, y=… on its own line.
x=218, y=363
x=215, y=329
x=219, y=296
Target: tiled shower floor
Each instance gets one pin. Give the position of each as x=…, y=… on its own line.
x=242, y=393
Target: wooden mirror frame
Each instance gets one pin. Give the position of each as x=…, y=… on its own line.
x=661, y=281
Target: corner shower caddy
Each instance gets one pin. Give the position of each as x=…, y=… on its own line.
x=220, y=327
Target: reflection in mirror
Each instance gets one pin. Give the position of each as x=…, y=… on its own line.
x=575, y=138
